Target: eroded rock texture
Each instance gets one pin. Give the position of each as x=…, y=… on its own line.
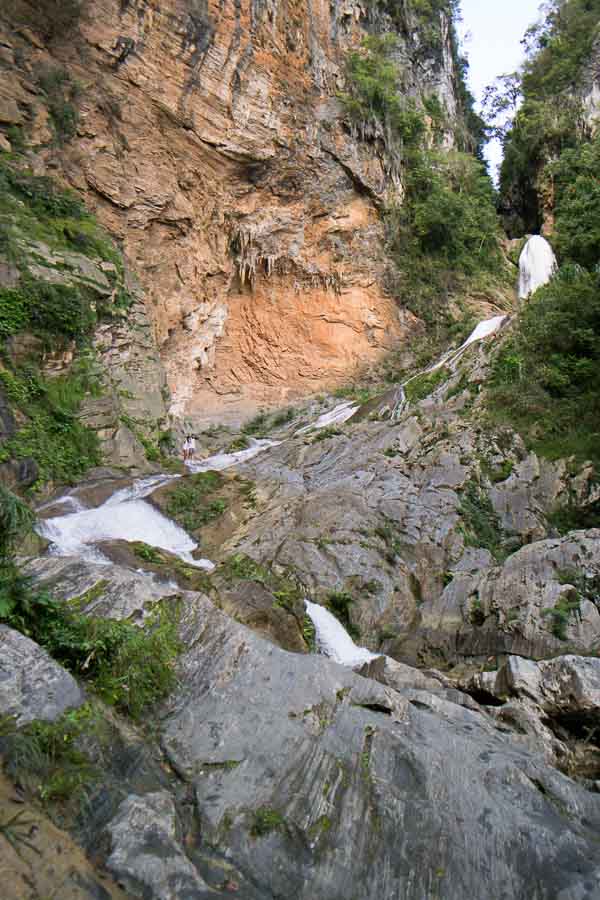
x=211, y=142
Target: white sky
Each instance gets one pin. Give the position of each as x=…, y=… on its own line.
x=491, y=32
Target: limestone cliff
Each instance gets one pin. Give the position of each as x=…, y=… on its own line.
x=211, y=143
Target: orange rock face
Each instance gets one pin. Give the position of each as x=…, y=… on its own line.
x=211, y=142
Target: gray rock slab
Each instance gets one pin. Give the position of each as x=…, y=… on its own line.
x=312, y=794
x=32, y=685
x=146, y=857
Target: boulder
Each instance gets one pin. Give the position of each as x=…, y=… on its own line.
x=32, y=685
x=146, y=857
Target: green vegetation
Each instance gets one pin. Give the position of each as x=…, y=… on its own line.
x=35, y=211
x=571, y=517
x=444, y=237
x=577, y=204
x=190, y=504
x=561, y=614
x=324, y=434
x=266, y=820
x=16, y=520
x=52, y=435
x=481, y=527
x=374, y=103
x=309, y=633
x=262, y=423
x=60, y=92
x=357, y=392
x=47, y=757
x=445, y=231
x=549, y=119
x=424, y=385
x=287, y=590
x=546, y=378
x=340, y=604
x=16, y=831
x=257, y=426
x=393, y=547
x=129, y=667
x=62, y=310
x=477, y=613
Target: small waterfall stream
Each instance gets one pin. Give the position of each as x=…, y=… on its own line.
x=221, y=461
x=127, y=516
x=537, y=265
x=333, y=640
x=120, y=518
x=484, y=330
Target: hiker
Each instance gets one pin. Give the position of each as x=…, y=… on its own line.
x=191, y=446
x=186, y=448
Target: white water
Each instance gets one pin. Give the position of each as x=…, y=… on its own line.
x=484, y=330
x=67, y=500
x=124, y=516
x=226, y=460
x=335, y=416
x=333, y=640
x=537, y=265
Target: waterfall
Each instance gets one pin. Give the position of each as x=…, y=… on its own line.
x=124, y=516
x=537, y=265
x=333, y=640
x=336, y=416
x=485, y=329
x=221, y=461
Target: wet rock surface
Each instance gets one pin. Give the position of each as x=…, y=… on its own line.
x=409, y=519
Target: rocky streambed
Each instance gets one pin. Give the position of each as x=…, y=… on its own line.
x=442, y=741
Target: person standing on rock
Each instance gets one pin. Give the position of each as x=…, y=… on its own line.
x=192, y=446
x=186, y=448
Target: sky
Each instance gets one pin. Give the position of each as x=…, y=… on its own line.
x=491, y=32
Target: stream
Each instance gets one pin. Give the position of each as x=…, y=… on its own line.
x=126, y=514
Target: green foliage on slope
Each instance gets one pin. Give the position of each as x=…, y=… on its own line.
x=546, y=378
x=445, y=229
x=549, y=120
x=51, y=306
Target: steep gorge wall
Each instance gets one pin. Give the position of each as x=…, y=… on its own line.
x=211, y=143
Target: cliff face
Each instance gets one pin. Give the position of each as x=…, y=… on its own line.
x=211, y=143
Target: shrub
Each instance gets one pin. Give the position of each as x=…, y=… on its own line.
x=53, y=19
x=189, y=503
x=266, y=820
x=129, y=667
x=41, y=193
x=47, y=756
x=54, y=309
x=61, y=446
x=373, y=97
x=578, y=204
x=60, y=93
x=549, y=120
x=16, y=520
x=546, y=378
x=480, y=523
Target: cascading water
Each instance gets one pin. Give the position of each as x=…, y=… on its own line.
x=537, y=265
x=127, y=516
x=226, y=460
x=333, y=640
x=124, y=516
x=485, y=329
x=336, y=416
